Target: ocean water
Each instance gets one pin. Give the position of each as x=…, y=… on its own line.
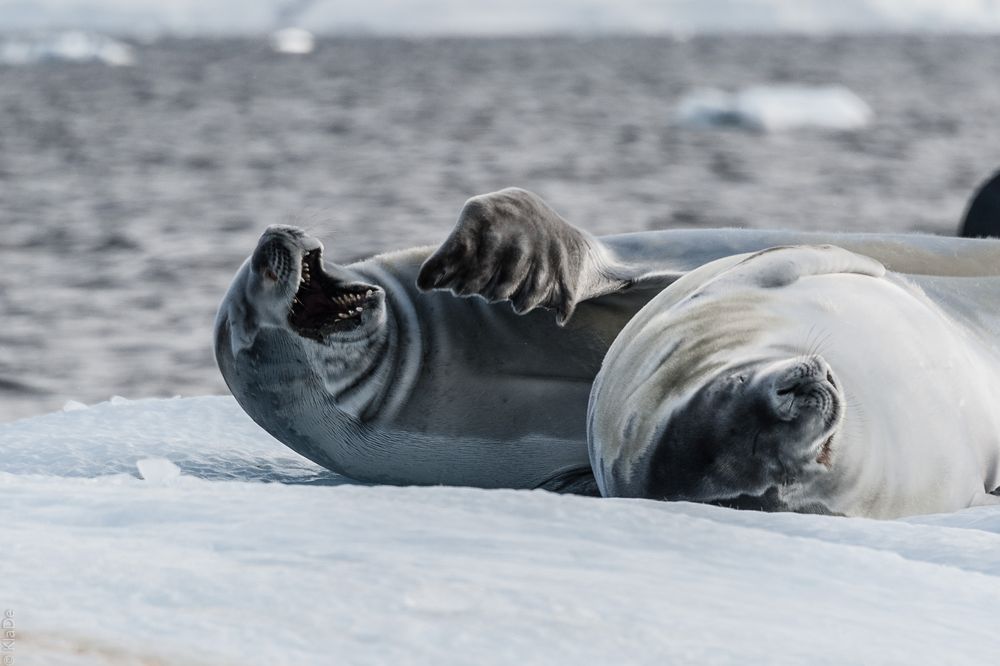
x=130, y=195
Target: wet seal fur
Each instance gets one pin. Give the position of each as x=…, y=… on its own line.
x=806, y=379
x=371, y=376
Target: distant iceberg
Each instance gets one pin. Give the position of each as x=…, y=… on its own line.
x=435, y=17
x=774, y=108
x=295, y=41
x=67, y=46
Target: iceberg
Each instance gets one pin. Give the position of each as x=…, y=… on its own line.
x=774, y=108
x=66, y=46
x=294, y=41
x=204, y=557
x=436, y=17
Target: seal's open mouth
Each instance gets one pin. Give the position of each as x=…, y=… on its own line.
x=324, y=305
x=825, y=456
x=812, y=394
x=834, y=411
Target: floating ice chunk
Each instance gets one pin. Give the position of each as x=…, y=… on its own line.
x=775, y=108
x=159, y=471
x=68, y=46
x=789, y=107
x=708, y=107
x=73, y=406
x=293, y=40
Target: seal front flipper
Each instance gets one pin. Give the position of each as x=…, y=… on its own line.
x=512, y=246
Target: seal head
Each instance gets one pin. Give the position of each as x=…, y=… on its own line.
x=285, y=285
x=301, y=343
x=747, y=432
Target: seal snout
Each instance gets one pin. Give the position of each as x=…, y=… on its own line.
x=800, y=387
x=273, y=260
x=804, y=394
x=281, y=250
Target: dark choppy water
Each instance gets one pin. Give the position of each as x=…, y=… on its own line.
x=128, y=197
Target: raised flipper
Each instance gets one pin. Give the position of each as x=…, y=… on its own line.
x=512, y=246
x=772, y=268
x=783, y=265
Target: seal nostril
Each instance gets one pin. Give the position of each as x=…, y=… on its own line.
x=829, y=378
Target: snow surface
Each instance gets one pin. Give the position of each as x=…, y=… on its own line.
x=775, y=108
x=504, y=16
x=201, y=563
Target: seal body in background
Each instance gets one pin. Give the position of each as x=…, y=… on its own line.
x=377, y=371
x=982, y=218
x=807, y=379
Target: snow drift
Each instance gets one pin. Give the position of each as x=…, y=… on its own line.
x=774, y=108
x=199, y=562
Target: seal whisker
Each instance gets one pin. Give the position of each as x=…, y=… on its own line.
x=810, y=340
